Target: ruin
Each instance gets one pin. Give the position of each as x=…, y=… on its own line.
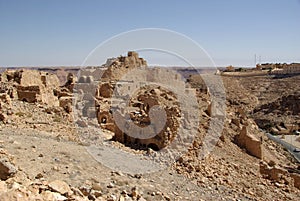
x=132, y=130
x=250, y=143
x=277, y=174
x=87, y=84
x=34, y=86
x=147, y=98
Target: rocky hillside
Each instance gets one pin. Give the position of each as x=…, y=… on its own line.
x=45, y=153
x=277, y=109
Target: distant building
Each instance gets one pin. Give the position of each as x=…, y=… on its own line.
x=267, y=66
x=293, y=68
x=229, y=68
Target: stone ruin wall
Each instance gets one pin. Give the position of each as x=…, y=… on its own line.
x=37, y=87
x=139, y=104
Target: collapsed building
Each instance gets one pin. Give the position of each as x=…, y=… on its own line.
x=165, y=128
x=113, y=91
x=34, y=86
x=88, y=79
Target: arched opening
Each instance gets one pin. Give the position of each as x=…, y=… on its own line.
x=153, y=146
x=103, y=120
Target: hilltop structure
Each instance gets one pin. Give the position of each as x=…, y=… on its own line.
x=116, y=85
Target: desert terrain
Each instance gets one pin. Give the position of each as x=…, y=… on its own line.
x=51, y=122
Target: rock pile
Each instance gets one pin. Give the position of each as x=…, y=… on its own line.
x=279, y=175
x=276, y=111
x=244, y=159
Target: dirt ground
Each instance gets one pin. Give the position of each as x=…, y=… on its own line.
x=46, y=147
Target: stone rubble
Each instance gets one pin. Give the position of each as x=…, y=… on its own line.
x=49, y=162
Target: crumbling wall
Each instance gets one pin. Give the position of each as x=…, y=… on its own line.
x=140, y=105
x=30, y=94
x=37, y=87
x=123, y=65
x=33, y=86
x=116, y=69
x=250, y=143
x=5, y=106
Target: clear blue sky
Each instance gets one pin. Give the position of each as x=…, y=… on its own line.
x=63, y=32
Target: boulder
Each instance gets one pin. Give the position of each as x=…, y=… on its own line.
x=48, y=195
x=60, y=187
x=7, y=169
